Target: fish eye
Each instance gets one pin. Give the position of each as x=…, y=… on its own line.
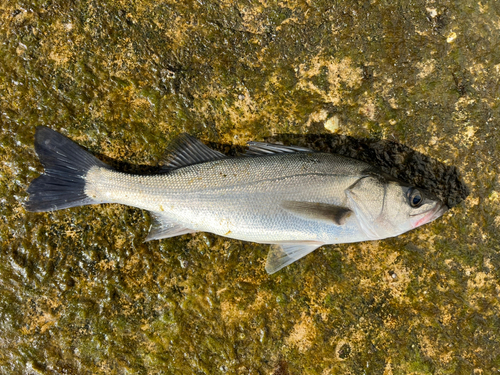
x=415, y=198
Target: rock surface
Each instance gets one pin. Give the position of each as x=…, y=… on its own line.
x=413, y=86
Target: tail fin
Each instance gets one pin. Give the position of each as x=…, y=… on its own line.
x=66, y=164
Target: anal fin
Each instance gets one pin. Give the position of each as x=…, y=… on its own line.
x=283, y=254
x=163, y=227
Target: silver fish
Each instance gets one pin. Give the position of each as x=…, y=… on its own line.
x=291, y=197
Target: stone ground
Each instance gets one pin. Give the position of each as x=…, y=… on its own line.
x=411, y=85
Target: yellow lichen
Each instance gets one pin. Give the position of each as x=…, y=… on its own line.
x=339, y=73
x=303, y=333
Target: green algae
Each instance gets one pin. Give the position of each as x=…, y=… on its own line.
x=80, y=291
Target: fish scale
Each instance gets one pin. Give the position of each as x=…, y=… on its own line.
x=246, y=202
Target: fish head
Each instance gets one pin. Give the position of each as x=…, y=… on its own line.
x=410, y=207
x=386, y=207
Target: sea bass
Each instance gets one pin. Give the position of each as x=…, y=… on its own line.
x=290, y=197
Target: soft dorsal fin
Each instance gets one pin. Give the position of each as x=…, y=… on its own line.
x=186, y=150
x=262, y=148
x=283, y=254
x=318, y=211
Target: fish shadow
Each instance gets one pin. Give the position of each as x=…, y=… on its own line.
x=126, y=167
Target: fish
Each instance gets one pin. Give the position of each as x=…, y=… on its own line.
x=293, y=198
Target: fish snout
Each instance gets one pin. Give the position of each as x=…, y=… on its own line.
x=432, y=214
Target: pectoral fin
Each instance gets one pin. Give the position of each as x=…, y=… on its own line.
x=318, y=211
x=281, y=255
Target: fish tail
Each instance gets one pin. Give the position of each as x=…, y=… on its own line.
x=66, y=165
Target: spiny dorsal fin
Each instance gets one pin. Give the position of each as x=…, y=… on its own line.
x=318, y=211
x=262, y=148
x=281, y=255
x=186, y=150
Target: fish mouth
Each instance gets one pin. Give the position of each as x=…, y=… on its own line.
x=431, y=214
